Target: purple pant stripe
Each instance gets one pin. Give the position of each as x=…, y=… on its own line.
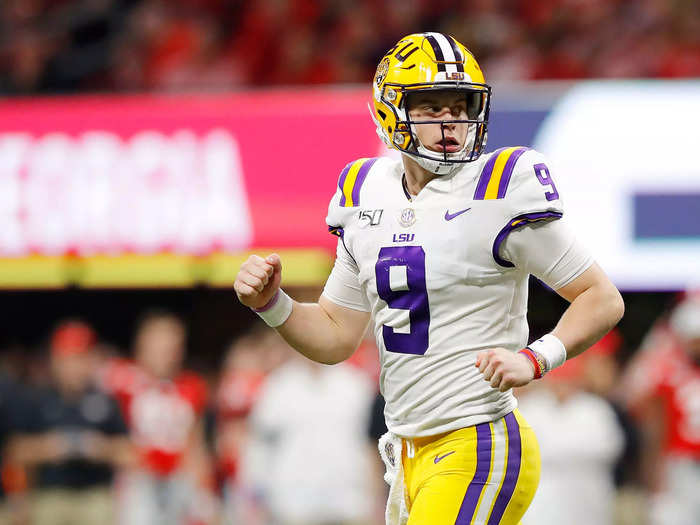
x=361, y=176
x=483, y=466
x=341, y=182
x=480, y=192
x=508, y=171
x=512, y=470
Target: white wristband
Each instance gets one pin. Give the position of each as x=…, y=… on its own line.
x=277, y=310
x=551, y=349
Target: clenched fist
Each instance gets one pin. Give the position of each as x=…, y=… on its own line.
x=504, y=369
x=258, y=280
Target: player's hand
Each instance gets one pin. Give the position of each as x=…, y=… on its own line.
x=504, y=369
x=258, y=280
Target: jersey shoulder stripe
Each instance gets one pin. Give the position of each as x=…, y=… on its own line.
x=351, y=180
x=514, y=224
x=495, y=176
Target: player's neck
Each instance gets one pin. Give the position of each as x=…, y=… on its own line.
x=416, y=176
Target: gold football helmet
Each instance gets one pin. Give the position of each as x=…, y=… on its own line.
x=424, y=62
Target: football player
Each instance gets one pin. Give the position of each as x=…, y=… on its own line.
x=661, y=388
x=436, y=248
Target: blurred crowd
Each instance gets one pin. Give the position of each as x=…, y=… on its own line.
x=94, y=434
x=54, y=46
x=90, y=433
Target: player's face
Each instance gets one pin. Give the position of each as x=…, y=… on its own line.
x=73, y=372
x=160, y=347
x=441, y=106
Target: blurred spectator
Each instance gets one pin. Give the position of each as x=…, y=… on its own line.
x=366, y=358
x=80, y=45
x=601, y=376
x=243, y=376
x=379, y=488
x=662, y=389
x=308, y=452
x=73, y=438
x=580, y=441
x=13, y=482
x=163, y=406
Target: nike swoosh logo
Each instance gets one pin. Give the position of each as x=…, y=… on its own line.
x=449, y=216
x=440, y=458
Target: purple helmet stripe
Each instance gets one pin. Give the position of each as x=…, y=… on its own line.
x=359, y=181
x=341, y=182
x=458, y=55
x=512, y=470
x=508, y=171
x=439, y=57
x=486, y=175
x=477, y=484
x=514, y=224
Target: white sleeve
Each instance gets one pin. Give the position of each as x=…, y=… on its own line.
x=343, y=287
x=549, y=251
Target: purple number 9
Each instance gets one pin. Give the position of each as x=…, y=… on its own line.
x=414, y=299
x=545, y=179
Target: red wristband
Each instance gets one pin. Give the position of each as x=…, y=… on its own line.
x=533, y=359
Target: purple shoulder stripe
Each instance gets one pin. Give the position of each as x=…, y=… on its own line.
x=341, y=181
x=360, y=180
x=514, y=224
x=508, y=171
x=483, y=183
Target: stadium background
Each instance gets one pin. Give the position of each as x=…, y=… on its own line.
x=124, y=122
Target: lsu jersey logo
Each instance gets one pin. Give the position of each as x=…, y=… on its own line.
x=403, y=237
x=407, y=218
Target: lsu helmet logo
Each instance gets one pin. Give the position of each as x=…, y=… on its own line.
x=382, y=70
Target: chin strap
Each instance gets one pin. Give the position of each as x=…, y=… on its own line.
x=438, y=167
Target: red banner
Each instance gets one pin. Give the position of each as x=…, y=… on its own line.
x=180, y=174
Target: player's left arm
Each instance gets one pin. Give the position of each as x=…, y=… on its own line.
x=540, y=243
x=596, y=307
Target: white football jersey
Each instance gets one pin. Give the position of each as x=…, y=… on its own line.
x=432, y=274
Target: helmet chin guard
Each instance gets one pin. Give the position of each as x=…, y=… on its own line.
x=445, y=163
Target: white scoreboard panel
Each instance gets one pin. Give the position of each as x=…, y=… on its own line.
x=626, y=157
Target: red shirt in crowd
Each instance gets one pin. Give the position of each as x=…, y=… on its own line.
x=667, y=372
x=161, y=414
